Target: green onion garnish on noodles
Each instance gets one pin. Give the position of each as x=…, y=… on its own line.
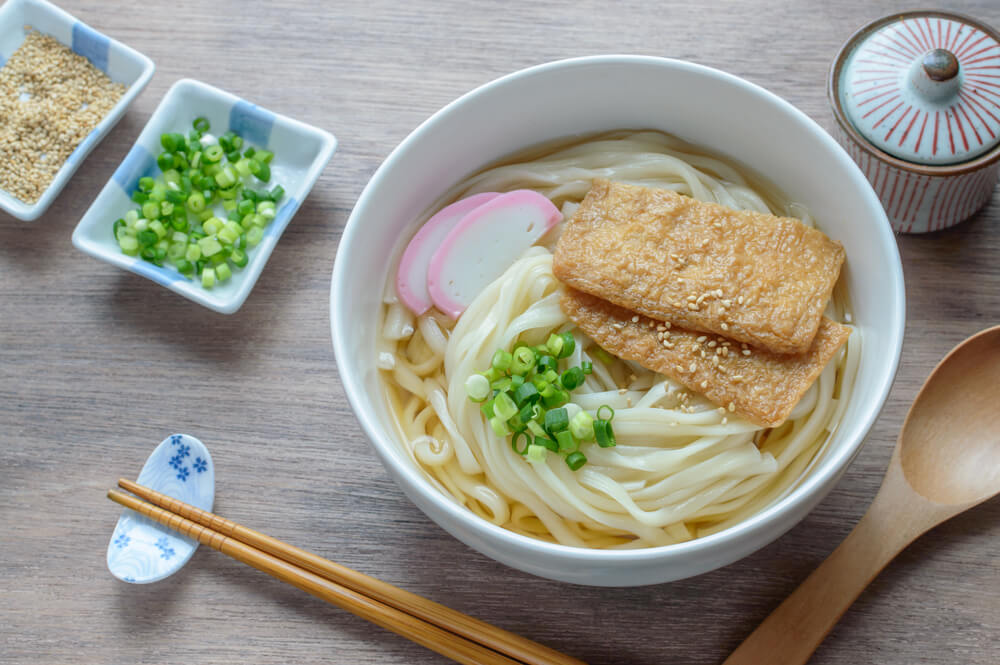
x=523, y=395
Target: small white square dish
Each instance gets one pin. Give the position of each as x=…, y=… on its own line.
x=300, y=154
x=121, y=63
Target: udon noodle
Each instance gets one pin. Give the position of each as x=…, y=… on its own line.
x=683, y=468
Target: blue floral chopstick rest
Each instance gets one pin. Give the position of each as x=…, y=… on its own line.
x=142, y=551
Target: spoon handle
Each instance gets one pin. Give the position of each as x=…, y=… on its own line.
x=792, y=632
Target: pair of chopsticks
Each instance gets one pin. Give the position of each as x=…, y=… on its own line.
x=439, y=628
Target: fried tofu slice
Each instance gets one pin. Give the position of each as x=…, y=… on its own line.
x=759, y=385
x=748, y=276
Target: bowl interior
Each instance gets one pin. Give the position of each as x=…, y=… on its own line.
x=703, y=106
x=122, y=65
x=300, y=153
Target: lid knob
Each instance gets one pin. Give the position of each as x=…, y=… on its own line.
x=940, y=64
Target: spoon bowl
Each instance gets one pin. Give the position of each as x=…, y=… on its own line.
x=949, y=446
x=947, y=460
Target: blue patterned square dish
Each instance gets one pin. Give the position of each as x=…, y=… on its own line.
x=122, y=65
x=300, y=154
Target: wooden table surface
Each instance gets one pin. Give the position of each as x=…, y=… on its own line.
x=98, y=365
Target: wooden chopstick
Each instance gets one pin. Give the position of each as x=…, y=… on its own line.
x=396, y=608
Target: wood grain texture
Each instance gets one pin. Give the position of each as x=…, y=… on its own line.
x=98, y=365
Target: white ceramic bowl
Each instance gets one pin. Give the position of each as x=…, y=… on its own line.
x=122, y=65
x=300, y=154
x=704, y=106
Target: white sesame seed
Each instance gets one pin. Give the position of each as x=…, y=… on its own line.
x=746, y=352
x=701, y=339
x=67, y=98
x=724, y=326
x=732, y=407
x=635, y=319
x=704, y=384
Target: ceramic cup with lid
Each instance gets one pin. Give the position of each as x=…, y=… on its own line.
x=917, y=100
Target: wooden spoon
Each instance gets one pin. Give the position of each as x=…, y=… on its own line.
x=947, y=460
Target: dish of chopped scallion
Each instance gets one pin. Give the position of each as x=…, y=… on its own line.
x=202, y=214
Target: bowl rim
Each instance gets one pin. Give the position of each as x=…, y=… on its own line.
x=30, y=212
x=828, y=471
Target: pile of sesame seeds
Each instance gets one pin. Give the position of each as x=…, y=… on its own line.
x=50, y=100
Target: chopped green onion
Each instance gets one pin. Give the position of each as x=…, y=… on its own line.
x=536, y=429
x=208, y=278
x=526, y=394
x=572, y=378
x=523, y=360
x=536, y=453
x=165, y=161
x=554, y=345
x=604, y=434
x=575, y=460
x=499, y=426
x=502, y=384
x=546, y=363
x=611, y=412
x=587, y=367
x=228, y=236
x=263, y=173
x=487, y=409
x=213, y=153
x=556, y=420
x=504, y=406
x=184, y=266
x=527, y=442
x=223, y=272
x=582, y=426
x=568, y=345
x=196, y=202
x=129, y=245
x=277, y=193
x=264, y=156
x=209, y=246
x=553, y=397
x=567, y=443
x=548, y=443
x=501, y=360
x=212, y=225
x=201, y=124
x=146, y=184
x=157, y=227
x=254, y=236
x=239, y=258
